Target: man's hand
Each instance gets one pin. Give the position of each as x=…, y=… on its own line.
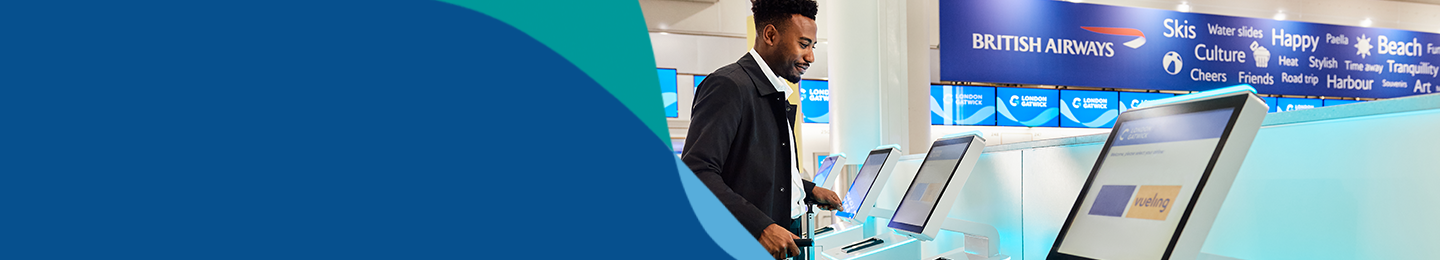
x=826, y=199
x=779, y=241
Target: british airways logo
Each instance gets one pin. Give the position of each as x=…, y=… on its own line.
x=1154, y=202
x=1025, y=43
x=1133, y=44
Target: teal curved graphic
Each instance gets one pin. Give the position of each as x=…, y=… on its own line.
x=981, y=115
x=1098, y=122
x=1038, y=120
x=615, y=51
x=717, y=221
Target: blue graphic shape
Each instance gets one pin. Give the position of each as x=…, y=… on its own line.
x=1085, y=108
x=1010, y=103
x=668, y=95
x=974, y=105
x=716, y=219
x=980, y=116
x=1111, y=200
x=1106, y=119
x=325, y=130
x=698, y=79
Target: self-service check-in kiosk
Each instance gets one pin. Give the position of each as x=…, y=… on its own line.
x=860, y=198
x=831, y=164
x=922, y=210
x=1161, y=177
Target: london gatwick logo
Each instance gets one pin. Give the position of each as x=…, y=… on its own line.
x=1133, y=44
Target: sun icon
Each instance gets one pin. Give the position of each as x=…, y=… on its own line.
x=1363, y=47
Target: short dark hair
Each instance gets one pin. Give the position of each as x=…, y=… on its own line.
x=769, y=12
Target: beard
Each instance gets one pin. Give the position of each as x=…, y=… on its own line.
x=792, y=77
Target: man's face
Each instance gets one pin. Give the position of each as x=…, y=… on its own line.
x=794, y=48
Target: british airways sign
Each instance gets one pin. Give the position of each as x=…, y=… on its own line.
x=1063, y=43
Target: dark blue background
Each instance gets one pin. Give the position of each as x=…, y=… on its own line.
x=317, y=129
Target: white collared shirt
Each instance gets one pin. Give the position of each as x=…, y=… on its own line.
x=797, y=186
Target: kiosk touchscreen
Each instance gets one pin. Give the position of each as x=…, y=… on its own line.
x=1161, y=178
x=860, y=198
x=863, y=193
x=830, y=164
x=924, y=205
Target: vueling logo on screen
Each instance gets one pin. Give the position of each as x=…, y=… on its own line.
x=1131, y=201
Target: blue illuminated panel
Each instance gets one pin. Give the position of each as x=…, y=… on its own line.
x=698, y=79
x=1129, y=100
x=1274, y=105
x=1088, y=109
x=974, y=105
x=1292, y=104
x=942, y=106
x=815, y=100
x=668, y=93
x=1337, y=102
x=1027, y=107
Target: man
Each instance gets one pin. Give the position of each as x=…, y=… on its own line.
x=740, y=141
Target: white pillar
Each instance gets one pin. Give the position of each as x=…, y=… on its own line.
x=871, y=81
x=917, y=53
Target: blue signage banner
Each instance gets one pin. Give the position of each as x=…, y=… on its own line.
x=815, y=100
x=942, y=106
x=1064, y=43
x=698, y=79
x=1089, y=109
x=1337, y=102
x=962, y=105
x=1129, y=100
x=668, y=93
x=1292, y=104
x=1274, y=105
x=1027, y=107
x=974, y=105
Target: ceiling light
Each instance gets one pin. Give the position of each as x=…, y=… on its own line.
x=1280, y=15
x=1183, y=7
x=1366, y=22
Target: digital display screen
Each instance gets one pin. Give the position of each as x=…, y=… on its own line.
x=1292, y=104
x=1087, y=108
x=855, y=196
x=935, y=172
x=1130, y=100
x=1148, y=174
x=1027, y=107
x=824, y=172
x=815, y=101
x=668, y=94
x=1337, y=102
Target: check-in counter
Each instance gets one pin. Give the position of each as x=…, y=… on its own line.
x=1354, y=181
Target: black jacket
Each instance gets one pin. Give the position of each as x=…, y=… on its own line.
x=739, y=146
